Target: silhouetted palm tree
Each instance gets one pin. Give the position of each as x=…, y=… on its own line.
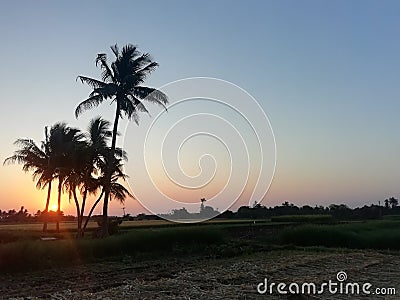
x=386, y=203
x=117, y=191
x=97, y=139
x=88, y=165
x=63, y=142
x=36, y=159
x=86, y=153
x=121, y=82
x=393, y=202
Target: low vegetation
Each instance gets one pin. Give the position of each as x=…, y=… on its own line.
x=362, y=235
x=25, y=251
x=304, y=218
x=33, y=254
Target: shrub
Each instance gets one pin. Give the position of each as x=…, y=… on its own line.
x=113, y=227
x=303, y=218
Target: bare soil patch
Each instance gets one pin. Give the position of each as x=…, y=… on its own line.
x=205, y=278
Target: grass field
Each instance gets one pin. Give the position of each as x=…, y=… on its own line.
x=159, y=248
x=22, y=248
x=71, y=225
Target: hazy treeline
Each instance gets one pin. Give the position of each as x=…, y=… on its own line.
x=338, y=211
x=23, y=216
x=257, y=211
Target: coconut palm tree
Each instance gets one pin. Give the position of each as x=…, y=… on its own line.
x=88, y=168
x=117, y=191
x=121, y=83
x=85, y=170
x=63, y=142
x=36, y=159
x=393, y=202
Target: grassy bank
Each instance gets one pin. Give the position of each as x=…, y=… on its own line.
x=366, y=235
x=24, y=255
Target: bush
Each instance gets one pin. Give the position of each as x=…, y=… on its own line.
x=303, y=218
x=113, y=227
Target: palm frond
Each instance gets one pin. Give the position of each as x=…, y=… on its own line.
x=139, y=106
x=89, y=103
x=132, y=80
x=94, y=83
x=129, y=51
x=125, y=63
x=43, y=181
x=107, y=74
x=26, y=144
x=142, y=108
x=119, y=192
x=129, y=109
x=98, y=130
x=151, y=95
x=115, y=50
x=101, y=57
x=140, y=62
x=108, y=91
x=117, y=77
x=145, y=71
x=15, y=159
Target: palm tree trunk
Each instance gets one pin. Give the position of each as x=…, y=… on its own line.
x=109, y=172
x=46, y=210
x=91, y=212
x=59, y=205
x=83, y=207
x=78, y=214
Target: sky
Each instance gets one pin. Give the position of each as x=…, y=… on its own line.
x=326, y=73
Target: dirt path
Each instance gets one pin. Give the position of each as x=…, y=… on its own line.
x=230, y=278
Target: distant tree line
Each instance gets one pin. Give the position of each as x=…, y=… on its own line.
x=23, y=216
x=338, y=211
x=257, y=211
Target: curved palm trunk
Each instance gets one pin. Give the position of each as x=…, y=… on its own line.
x=59, y=205
x=46, y=210
x=109, y=173
x=82, y=208
x=78, y=214
x=91, y=212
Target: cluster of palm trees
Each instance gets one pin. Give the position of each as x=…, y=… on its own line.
x=84, y=163
x=77, y=161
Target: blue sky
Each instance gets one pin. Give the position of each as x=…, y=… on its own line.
x=326, y=73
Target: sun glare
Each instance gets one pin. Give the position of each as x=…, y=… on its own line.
x=53, y=207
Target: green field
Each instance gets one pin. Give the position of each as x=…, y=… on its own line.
x=72, y=225
x=22, y=248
